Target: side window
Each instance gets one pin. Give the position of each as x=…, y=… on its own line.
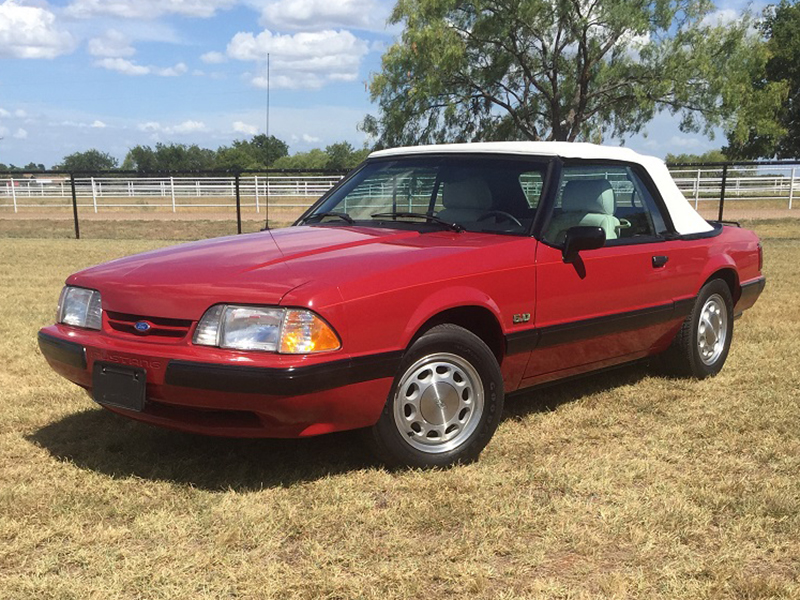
x=608, y=196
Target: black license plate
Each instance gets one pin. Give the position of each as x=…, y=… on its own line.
x=119, y=386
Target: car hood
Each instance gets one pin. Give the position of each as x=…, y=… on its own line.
x=183, y=281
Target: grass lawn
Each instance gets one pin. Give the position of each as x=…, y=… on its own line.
x=621, y=485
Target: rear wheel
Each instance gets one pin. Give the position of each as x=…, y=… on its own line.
x=445, y=403
x=702, y=344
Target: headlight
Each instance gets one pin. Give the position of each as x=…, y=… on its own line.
x=284, y=330
x=80, y=307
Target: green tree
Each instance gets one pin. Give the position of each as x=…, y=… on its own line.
x=558, y=69
x=313, y=159
x=141, y=158
x=89, y=161
x=781, y=27
x=170, y=157
x=258, y=152
x=712, y=156
x=183, y=157
x=342, y=155
x=236, y=158
x=34, y=167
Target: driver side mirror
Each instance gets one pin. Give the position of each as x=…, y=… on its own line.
x=582, y=238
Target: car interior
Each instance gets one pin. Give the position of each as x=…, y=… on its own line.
x=589, y=202
x=487, y=201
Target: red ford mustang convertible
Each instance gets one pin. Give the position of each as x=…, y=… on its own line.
x=413, y=296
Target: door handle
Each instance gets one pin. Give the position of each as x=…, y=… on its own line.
x=659, y=261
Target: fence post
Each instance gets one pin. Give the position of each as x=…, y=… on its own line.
x=791, y=187
x=14, y=194
x=94, y=196
x=258, y=208
x=172, y=191
x=722, y=191
x=74, y=206
x=697, y=190
x=238, y=207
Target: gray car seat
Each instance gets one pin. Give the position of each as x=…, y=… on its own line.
x=585, y=202
x=465, y=200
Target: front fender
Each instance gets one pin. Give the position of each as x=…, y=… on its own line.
x=443, y=300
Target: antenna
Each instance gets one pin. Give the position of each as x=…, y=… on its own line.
x=266, y=225
x=267, y=129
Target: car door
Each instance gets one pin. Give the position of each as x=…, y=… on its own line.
x=614, y=303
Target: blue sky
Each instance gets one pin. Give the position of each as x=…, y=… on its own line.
x=111, y=74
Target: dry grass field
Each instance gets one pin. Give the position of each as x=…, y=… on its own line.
x=621, y=485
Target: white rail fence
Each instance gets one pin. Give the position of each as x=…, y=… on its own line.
x=163, y=192
x=699, y=185
x=776, y=183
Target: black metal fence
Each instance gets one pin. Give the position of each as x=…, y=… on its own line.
x=273, y=182
x=768, y=180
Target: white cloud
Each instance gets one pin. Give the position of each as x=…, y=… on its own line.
x=149, y=126
x=679, y=141
x=242, y=127
x=21, y=134
x=303, y=60
x=19, y=113
x=4, y=113
x=128, y=67
x=31, y=32
x=187, y=127
x=113, y=44
x=147, y=9
x=122, y=65
x=310, y=139
x=321, y=14
x=175, y=71
x=96, y=124
x=721, y=17
x=213, y=58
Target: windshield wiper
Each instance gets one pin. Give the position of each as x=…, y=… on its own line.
x=322, y=215
x=415, y=215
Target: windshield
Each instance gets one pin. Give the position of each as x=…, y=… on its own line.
x=489, y=194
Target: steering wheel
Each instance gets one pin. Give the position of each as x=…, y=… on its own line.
x=503, y=216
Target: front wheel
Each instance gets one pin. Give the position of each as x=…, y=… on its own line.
x=445, y=403
x=702, y=344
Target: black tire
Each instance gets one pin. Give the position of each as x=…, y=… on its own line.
x=689, y=354
x=450, y=375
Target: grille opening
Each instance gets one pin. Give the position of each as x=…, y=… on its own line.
x=159, y=326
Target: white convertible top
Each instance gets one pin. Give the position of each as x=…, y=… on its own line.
x=684, y=216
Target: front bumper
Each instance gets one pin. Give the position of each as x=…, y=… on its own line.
x=218, y=392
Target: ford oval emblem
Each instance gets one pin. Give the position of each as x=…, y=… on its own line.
x=142, y=326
